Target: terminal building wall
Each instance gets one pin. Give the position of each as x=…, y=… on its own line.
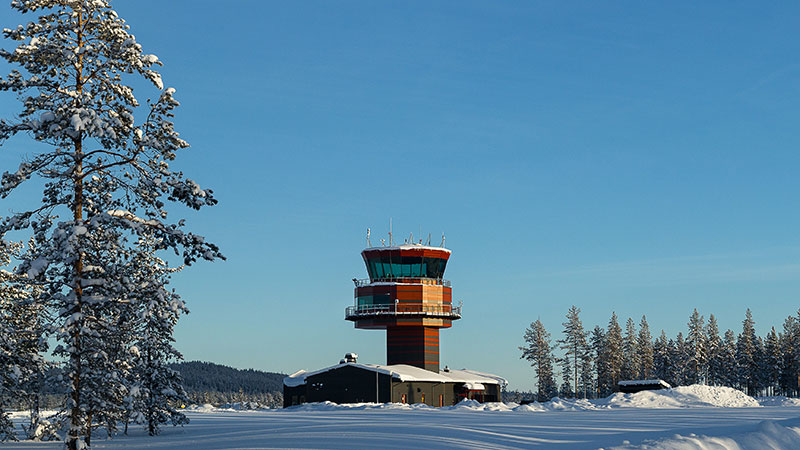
x=354, y=385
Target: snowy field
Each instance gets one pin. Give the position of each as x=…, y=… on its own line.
x=691, y=417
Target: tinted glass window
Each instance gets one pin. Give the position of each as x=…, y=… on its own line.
x=367, y=300
x=409, y=267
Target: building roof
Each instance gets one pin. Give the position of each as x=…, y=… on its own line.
x=655, y=382
x=407, y=247
x=404, y=372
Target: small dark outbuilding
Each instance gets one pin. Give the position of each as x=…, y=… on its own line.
x=351, y=382
x=631, y=386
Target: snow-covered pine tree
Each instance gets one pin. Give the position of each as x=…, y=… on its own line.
x=631, y=362
x=587, y=375
x=31, y=333
x=614, y=355
x=10, y=296
x=539, y=352
x=644, y=344
x=160, y=388
x=72, y=59
x=728, y=363
x=574, y=345
x=108, y=313
x=714, y=372
x=747, y=355
x=680, y=359
x=790, y=348
x=597, y=342
x=771, y=363
x=566, y=374
x=662, y=359
x=23, y=341
x=696, y=349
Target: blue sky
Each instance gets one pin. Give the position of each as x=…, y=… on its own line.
x=628, y=157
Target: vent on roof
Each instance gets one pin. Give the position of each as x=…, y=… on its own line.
x=350, y=357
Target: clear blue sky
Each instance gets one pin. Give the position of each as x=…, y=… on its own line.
x=619, y=156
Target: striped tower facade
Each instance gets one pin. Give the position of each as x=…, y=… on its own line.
x=407, y=296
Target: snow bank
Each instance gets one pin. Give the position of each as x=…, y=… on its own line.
x=767, y=435
x=778, y=401
x=330, y=406
x=472, y=405
x=694, y=396
x=682, y=397
x=204, y=408
x=236, y=406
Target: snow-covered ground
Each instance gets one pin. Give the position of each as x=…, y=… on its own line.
x=693, y=417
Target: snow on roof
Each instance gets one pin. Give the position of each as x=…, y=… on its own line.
x=408, y=247
x=403, y=372
x=474, y=374
x=644, y=382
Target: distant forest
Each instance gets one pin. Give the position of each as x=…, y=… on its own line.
x=206, y=382
x=592, y=362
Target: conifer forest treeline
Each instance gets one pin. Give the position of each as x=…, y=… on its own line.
x=592, y=362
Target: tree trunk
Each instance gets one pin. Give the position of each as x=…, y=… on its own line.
x=77, y=214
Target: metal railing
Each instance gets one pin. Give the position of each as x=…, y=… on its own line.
x=440, y=310
x=416, y=280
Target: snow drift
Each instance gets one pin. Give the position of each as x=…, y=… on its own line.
x=683, y=397
x=694, y=396
x=767, y=435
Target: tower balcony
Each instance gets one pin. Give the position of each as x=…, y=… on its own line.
x=413, y=280
x=430, y=310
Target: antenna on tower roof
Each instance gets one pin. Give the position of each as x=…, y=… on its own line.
x=390, y=232
x=368, y=244
x=442, y=239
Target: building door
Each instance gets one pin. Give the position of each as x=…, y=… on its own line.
x=403, y=398
x=441, y=400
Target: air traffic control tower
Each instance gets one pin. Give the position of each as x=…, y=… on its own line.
x=407, y=296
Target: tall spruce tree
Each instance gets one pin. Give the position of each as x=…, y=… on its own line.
x=696, y=350
x=574, y=345
x=790, y=349
x=680, y=360
x=644, y=345
x=105, y=177
x=728, y=364
x=159, y=387
x=631, y=363
x=715, y=370
x=614, y=355
x=747, y=354
x=771, y=364
x=597, y=342
x=539, y=352
x=662, y=358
